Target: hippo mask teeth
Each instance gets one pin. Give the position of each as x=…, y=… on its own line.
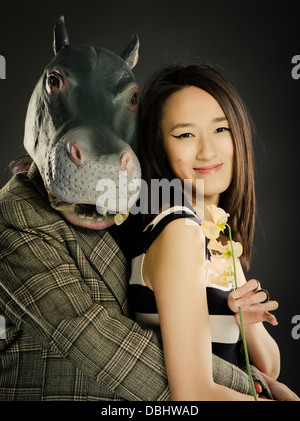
x=120, y=218
x=87, y=211
x=60, y=205
x=90, y=212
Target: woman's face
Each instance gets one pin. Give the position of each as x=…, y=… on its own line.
x=197, y=141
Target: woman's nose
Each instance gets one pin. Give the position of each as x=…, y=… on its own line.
x=206, y=150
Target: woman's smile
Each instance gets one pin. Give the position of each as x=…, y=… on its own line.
x=211, y=169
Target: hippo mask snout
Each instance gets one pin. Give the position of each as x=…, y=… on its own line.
x=81, y=150
x=92, y=185
x=77, y=156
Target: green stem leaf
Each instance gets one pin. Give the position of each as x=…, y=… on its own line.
x=241, y=321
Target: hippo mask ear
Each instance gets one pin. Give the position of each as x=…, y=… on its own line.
x=61, y=38
x=131, y=53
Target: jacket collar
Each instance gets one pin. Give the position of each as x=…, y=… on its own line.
x=36, y=179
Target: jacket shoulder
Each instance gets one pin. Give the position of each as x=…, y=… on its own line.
x=22, y=205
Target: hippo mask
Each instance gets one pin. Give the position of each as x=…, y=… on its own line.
x=80, y=131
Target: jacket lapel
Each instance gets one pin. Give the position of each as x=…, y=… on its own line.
x=107, y=259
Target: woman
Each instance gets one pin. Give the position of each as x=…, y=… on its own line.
x=193, y=125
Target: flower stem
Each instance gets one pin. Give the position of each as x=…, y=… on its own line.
x=241, y=321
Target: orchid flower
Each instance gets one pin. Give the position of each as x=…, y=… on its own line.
x=220, y=271
x=221, y=267
x=210, y=229
x=218, y=249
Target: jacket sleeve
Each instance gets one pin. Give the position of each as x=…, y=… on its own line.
x=43, y=292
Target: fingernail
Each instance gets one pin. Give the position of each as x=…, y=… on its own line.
x=258, y=388
x=236, y=294
x=240, y=302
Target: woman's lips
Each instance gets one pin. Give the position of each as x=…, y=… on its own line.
x=211, y=169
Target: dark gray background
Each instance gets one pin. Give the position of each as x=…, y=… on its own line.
x=252, y=43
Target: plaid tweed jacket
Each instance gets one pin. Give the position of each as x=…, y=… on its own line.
x=63, y=295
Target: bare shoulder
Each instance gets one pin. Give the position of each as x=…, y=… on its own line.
x=182, y=229
x=180, y=245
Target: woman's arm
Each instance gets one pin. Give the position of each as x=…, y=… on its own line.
x=263, y=350
x=174, y=269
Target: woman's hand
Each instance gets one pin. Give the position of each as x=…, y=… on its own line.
x=254, y=310
x=280, y=391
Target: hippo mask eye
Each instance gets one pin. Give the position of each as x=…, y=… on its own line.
x=54, y=82
x=134, y=99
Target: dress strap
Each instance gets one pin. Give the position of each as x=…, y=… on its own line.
x=155, y=227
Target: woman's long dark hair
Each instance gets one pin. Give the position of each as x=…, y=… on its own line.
x=239, y=199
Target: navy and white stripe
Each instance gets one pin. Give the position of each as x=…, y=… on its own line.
x=224, y=328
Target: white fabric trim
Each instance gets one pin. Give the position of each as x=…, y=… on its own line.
x=161, y=215
x=224, y=329
x=136, y=277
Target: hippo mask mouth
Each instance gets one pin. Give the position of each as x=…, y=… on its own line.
x=87, y=214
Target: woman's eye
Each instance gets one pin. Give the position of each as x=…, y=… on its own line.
x=183, y=135
x=222, y=129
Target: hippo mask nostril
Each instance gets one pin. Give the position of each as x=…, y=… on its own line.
x=76, y=154
x=126, y=161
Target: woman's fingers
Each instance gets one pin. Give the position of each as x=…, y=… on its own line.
x=269, y=306
x=252, y=317
x=270, y=318
x=252, y=301
x=253, y=298
x=250, y=286
x=249, y=294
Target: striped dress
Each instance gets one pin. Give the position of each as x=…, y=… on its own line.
x=225, y=332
